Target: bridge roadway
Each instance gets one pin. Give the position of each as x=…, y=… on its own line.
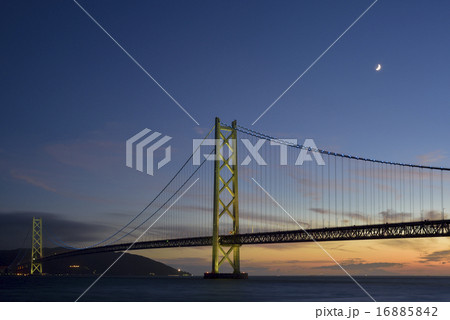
x=419, y=229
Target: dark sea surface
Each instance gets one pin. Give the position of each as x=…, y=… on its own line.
x=313, y=288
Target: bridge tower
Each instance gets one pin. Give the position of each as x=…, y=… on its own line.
x=226, y=201
x=36, y=246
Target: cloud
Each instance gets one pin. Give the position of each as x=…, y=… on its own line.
x=319, y=210
x=16, y=225
x=392, y=216
x=353, y=215
x=357, y=216
x=432, y=157
x=299, y=262
x=434, y=215
x=278, y=221
x=41, y=180
x=416, y=246
x=258, y=270
x=26, y=177
x=341, y=247
x=359, y=266
x=442, y=256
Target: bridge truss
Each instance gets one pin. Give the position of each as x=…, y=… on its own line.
x=421, y=229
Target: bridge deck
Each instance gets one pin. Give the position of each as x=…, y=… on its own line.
x=420, y=229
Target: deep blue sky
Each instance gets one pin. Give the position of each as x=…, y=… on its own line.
x=70, y=97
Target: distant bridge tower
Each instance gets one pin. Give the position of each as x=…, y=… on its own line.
x=36, y=246
x=226, y=201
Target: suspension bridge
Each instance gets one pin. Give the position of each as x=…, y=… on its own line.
x=284, y=196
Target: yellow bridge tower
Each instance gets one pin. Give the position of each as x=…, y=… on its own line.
x=226, y=201
x=36, y=246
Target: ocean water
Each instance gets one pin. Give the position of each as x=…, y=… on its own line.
x=313, y=288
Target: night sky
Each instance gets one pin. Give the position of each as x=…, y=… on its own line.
x=70, y=98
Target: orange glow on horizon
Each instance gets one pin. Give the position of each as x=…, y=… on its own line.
x=400, y=257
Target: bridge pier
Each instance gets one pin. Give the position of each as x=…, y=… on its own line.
x=226, y=202
x=241, y=275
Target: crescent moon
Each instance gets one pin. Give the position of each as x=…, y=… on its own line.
x=378, y=68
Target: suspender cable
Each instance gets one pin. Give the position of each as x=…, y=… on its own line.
x=342, y=190
x=421, y=194
x=431, y=195
x=335, y=193
x=329, y=191
x=323, y=198
x=442, y=195
x=350, y=189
